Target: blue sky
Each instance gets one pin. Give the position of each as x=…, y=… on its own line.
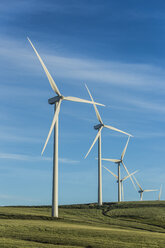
x=117, y=49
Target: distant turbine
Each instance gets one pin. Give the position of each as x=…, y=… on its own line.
x=141, y=191
x=160, y=192
x=57, y=100
x=121, y=180
x=118, y=161
x=99, y=127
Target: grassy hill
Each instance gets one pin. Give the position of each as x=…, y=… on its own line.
x=129, y=224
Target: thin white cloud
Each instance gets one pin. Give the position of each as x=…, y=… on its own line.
x=74, y=7
x=115, y=73
x=143, y=104
x=35, y=6
x=12, y=9
x=23, y=157
x=148, y=135
x=21, y=91
x=28, y=158
x=19, y=138
x=133, y=76
x=16, y=134
x=68, y=161
x=94, y=70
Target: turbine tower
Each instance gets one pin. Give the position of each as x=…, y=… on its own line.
x=99, y=128
x=118, y=162
x=121, y=180
x=141, y=191
x=160, y=192
x=57, y=100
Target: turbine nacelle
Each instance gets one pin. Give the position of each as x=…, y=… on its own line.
x=120, y=181
x=97, y=127
x=54, y=99
x=118, y=162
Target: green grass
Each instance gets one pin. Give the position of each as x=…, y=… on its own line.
x=129, y=224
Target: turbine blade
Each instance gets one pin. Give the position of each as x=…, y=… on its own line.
x=137, y=183
x=125, y=148
x=112, y=160
x=76, y=99
x=52, y=125
x=97, y=136
x=51, y=81
x=96, y=110
x=129, y=175
x=111, y=172
x=150, y=190
x=118, y=130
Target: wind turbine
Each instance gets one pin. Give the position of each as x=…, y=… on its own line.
x=118, y=162
x=121, y=180
x=57, y=100
x=141, y=191
x=160, y=192
x=99, y=128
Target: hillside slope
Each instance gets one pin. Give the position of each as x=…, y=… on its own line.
x=129, y=224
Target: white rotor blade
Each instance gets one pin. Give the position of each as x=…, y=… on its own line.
x=150, y=190
x=52, y=125
x=96, y=110
x=111, y=160
x=76, y=99
x=111, y=173
x=129, y=175
x=51, y=81
x=125, y=148
x=97, y=136
x=118, y=130
x=137, y=183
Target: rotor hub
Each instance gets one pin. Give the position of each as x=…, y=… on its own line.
x=97, y=127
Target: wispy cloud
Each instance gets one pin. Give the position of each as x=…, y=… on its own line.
x=28, y=158
x=16, y=134
x=132, y=100
x=23, y=157
x=19, y=138
x=148, y=135
x=115, y=73
x=143, y=104
x=94, y=70
x=68, y=161
x=73, y=7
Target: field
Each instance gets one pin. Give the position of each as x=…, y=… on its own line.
x=129, y=224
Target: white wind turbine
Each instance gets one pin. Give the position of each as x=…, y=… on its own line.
x=118, y=162
x=57, y=100
x=141, y=191
x=121, y=180
x=99, y=127
x=160, y=192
